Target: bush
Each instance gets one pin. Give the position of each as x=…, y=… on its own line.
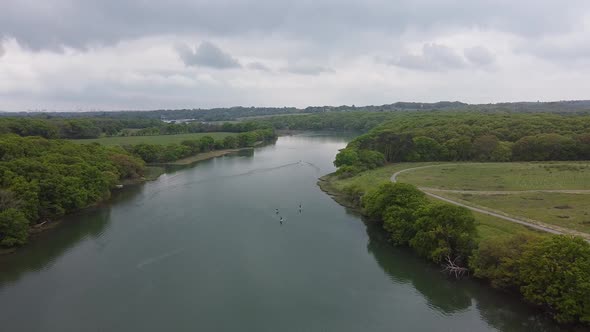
x=347, y=157
x=353, y=193
x=555, y=273
x=445, y=231
x=348, y=171
x=13, y=228
x=377, y=201
x=498, y=260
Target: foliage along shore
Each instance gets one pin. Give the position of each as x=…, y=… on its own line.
x=550, y=272
x=42, y=180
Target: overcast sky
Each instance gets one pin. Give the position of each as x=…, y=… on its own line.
x=138, y=54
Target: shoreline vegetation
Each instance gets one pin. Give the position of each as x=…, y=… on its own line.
x=152, y=173
x=44, y=180
x=508, y=261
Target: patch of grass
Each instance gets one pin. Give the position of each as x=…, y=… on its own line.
x=502, y=176
x=372, y=178
x=487, y=226
x=565, y=210
x=159, y=139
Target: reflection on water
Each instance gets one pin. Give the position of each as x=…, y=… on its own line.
x=44, y=248
x=448, y=295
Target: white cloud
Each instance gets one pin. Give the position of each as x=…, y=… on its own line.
x=132, y=54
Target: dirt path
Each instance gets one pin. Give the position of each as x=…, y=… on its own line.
x=534, y=224
x=508, y=192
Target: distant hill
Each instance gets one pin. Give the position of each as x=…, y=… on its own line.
x=233, y=113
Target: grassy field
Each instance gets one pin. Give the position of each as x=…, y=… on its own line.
x=487, y=226
x=565, y=210
x=371, y=179
x=502, y=176
x=160, y=139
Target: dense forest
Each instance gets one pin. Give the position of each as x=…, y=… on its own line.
x=44, y=179
x=96, y=127
x=469, y=136
x=237, y=113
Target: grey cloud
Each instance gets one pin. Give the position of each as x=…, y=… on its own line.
x=306, y=69
x=479, y=55
x=556, y=52
x=2, y=51
x=258, y=66
x=434, y=57
x=84, y=23
x=206, y=55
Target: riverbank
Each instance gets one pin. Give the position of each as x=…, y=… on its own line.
x=350, y=193
x=326, y=185
x=201, y=156
x=152, y=173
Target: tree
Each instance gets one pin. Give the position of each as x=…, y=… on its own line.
x=459, y=148
x=230, y=142
x=545, y=147
x=502, y=152
x=498, y=259
x=483, y=146
x=207, y=143
x=555, y=273
x=377, y=201
x=346, y=157
x=13, y=228
x=371, y=159
x=401, y=214
x=444, y=231
x=426, y=149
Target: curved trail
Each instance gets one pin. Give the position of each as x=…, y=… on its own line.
x=510, y=192
x=487, y=212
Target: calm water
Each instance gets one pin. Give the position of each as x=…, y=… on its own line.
x=202, y=249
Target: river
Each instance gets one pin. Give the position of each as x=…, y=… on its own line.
x=203, y=249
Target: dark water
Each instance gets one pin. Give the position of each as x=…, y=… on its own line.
x=202, y=249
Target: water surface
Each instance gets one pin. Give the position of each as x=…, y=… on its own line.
x=203, y=248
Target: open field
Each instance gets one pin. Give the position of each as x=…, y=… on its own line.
x=487, y=226
x=502, y=176
x=570, y=211
x=159, y=139
x=372, y=178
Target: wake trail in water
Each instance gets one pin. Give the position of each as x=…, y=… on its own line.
x=251, y=172
x=158, y=258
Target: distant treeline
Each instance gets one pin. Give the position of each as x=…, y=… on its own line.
x=43, y=179
x=342, y=121
x=469, y=136
x=157, y=153
x=96, y=127
x=234, y=113
x=552, y=272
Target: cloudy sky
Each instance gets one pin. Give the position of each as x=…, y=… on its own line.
x=140, y=54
